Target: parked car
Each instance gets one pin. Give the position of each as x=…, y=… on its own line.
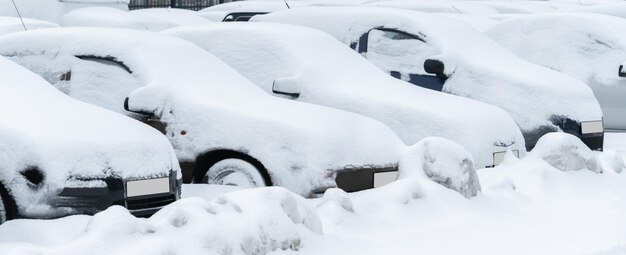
x=156, y=19
x=224, y=129
x=445, y=55
x=60, y=156
x=244, y=10
x=13, y=24
x=583, y=46
x=308, y=65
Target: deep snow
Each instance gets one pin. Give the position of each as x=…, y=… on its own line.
x=526, y=207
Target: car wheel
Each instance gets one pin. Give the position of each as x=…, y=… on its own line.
x=235, y=172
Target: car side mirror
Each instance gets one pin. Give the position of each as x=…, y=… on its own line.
x=127, y=108
x=435, y=67
x=286, y=86
x=621, y=73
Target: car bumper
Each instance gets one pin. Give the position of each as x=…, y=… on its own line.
x=115, y=191
x=362, y=179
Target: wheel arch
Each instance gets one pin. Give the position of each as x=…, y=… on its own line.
x=206, y=160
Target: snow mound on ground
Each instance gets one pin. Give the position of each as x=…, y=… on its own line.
x=566, y=153
x=12, y=24
x=612, y=160
x=444, y=162
x=112, y=17
x=243, y=222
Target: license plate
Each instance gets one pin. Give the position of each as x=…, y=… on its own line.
x=498, y=157
x=591, y=127
x=384, y=178
x=147, y=187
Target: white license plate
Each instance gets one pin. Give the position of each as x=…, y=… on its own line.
x=498, y=157
x=384, y=178
x=591, y=127
x=147, y=187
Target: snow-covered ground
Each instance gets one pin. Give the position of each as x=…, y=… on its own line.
x=526, y=207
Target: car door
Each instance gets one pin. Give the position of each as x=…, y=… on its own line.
x=402, y=55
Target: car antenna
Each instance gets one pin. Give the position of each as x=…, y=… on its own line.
x=287, y=4
x=19, y=15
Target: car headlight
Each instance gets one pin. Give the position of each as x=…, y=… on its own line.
x=498, y=157
x=590, y=127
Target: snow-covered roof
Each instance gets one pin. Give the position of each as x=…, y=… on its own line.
x=179, y=17
x=112, y=17
x=14, y=24
x=477, y=67
x=331, y=74
x=192, y=90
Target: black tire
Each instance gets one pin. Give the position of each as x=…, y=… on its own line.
x=8, y=208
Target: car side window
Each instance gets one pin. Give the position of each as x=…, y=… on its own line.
x=400, y=54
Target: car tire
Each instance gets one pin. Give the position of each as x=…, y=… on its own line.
x=234, y=172
x=7, y=206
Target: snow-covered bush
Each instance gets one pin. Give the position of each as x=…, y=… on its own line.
x=444, y=162
x=566, y=153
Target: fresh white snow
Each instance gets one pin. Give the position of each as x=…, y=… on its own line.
x=526, y=207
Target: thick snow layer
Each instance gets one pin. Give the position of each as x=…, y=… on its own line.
x=53, y=10
x=526, y=207
x=479, y=23
x=566, y=153
x=300, y=144
x=153, y=20
x=65, y=139
x=180, y=17
x=243, y=222
x=437, y=6
x=584, y=46
x=13, y=24
x=614, y=8
x=477, y=66
x=331, y=74
x=444, y=162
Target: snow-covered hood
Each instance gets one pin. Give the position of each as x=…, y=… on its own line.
x=331, y=74
x=206, y=104
x=13, y=24
x=43, y=128
x=477, y=67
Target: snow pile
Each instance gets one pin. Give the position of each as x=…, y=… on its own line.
x=331, y=74
x=438, y=6
x=583, y=46
x=566, y=153
x=13, y=24
x=444, y=162
x=254, y=221
x=494, y=76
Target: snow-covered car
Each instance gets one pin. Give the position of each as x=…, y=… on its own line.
x=308, y=65
x=244, y=10
x=583, y=46
x=445, y=55
x=53, y=10
x=149, y=19
x=14, y=24
x=224, y=129
x=60, y=156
